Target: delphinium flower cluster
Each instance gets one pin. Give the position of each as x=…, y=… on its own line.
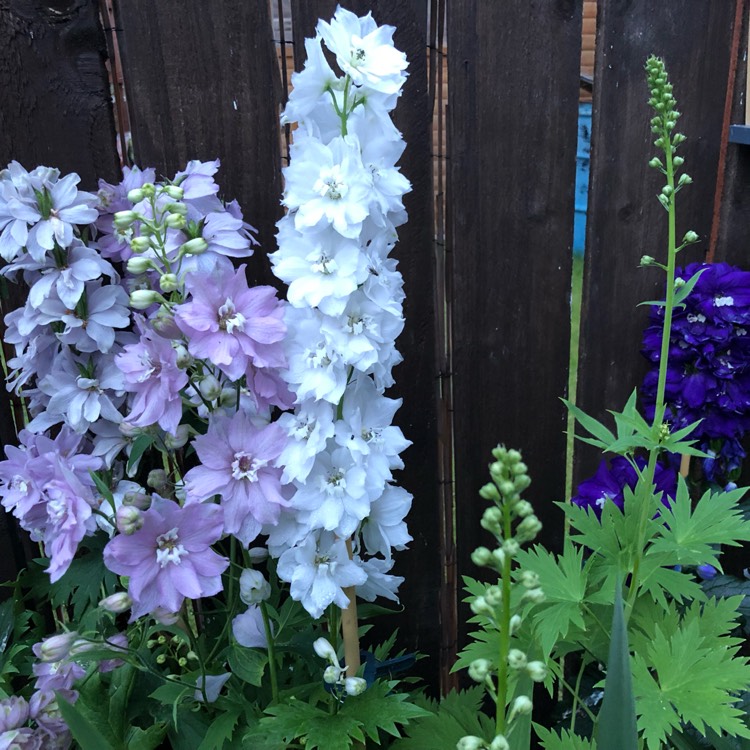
x=708, y=379
x=202, y=428
x=344, y=194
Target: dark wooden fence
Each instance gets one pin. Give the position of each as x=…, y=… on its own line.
x=486, y=255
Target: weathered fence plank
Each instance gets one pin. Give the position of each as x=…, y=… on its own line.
x=55, y=102
x=513, y=72
x=202, y=83
x=55, y=110
x=625, y=219
x=416, y=376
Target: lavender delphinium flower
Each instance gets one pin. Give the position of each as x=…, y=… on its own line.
x=232, y=325
x=170, y=557
x=238, y=462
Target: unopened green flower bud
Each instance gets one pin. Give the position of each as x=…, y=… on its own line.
x=57, y=647
x=690, y=237
x=138, y=264
x=494, y=596
x=481, y=556
x=196, y=246
x=647, y=260
x=158, y=480
x=523, y=508
x=161, y=658
x=685, y=179
x=515, y=623
x=537, y=670
x=491, y=519
x=135, y=195
x=480, y=607
x=489, y=492
x=528, y=528
x=520, y=468
x=184, y=358
x=210, y=388
x=168, y=282
x=124, y=219
x=182, y=661
x=116, y=603
x=139, y=245
x=331, y=675
x=128, y=519
x=139, y=500
x=678, y=161
x=355, y=685
x=149, y=190
x=511, y=547
x=141, y=299
x=175, y=192
x=192, y=656
x=521, y=482
x=470, y=742
x=678, y=282
x=655, y=163
x=179, y=439
x=535, y=596
x=228, y=398
x=514, y=457
x=177, y=208
x=499, y=453
x=175, y=221
x=520, y=706
x=479, y=669
x=498, y=557
x=150, y=643
x=499, y=743
x=517, y=659
x=162, y=639
x=325, y=650
x=496, y=470
x=528, y=579
x=506, y=488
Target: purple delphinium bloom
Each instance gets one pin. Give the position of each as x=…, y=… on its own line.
x=23, y=738
x=151, y=374
x=708, y=375
x=237, y=462
x=170, y=557
x=232, y=325
x=609, y=482
x=14, y=713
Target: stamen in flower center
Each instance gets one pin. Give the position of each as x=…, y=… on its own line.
x=335, y=483
x=169, y=549
x=331, y=184
x=245, y=466
x=229, y=318
x=324, y=265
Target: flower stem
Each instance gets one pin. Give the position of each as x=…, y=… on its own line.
x=502, y=668
x=271, y=653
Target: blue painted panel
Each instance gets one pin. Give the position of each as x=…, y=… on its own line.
x=583, y=159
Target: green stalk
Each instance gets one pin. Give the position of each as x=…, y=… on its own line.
x=502, y=667
x=271, y=653
x=660, y=406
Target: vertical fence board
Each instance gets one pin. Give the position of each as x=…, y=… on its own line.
x=55, y=110
x=512, y=123
x=202, y=83
x=55, y=103
x=625, y=219
x=416, y=376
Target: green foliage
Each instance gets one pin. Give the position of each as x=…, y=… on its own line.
x=565, y=740
x=617, y=723
x=455, y=716
x=248, y=664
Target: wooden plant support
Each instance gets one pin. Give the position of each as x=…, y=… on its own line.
x=350, y=627
x=684, y=466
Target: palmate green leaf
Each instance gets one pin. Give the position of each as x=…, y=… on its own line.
x=457, y=715
x=379, y=708
x=146, y=739
x=297, y=719
x=483, y=644
x=563, y=579
x=662, y=582
x=685, y=678
x=221, y=729
x=689, y=535
x=551, y=740
x=602, y=437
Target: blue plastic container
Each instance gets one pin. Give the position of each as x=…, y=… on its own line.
x=583, y=160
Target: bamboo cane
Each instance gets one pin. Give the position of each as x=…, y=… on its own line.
x=350, y=627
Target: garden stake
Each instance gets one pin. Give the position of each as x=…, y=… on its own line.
x=684, y=466
x=350, y=627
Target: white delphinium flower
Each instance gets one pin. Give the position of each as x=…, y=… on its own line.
x=328, y=185
x=316, y=369
x=385, y=528
x=308, y=430
x=254, y=588
x=321, y=270
x=335, y=494
x=379, y=582
x=319, y=569
x=365, y=51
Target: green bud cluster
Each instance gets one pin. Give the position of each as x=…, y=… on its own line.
x=172, y=652
x=503, y=605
